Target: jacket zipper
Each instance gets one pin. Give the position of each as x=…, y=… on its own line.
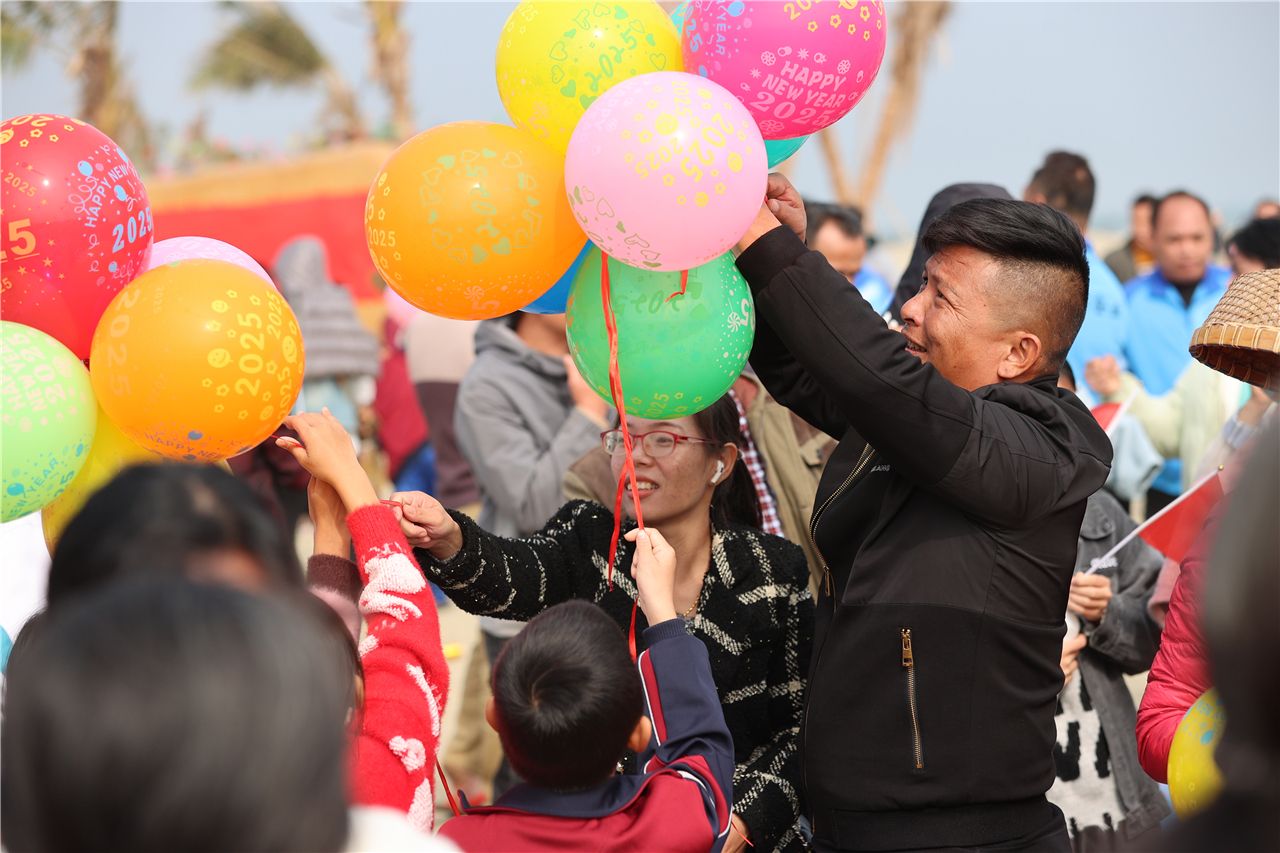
x=827, y=583
x=826, y=570
x=909, y=664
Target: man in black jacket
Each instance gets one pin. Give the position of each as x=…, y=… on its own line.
x=947, y=518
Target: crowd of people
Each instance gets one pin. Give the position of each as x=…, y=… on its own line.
x=886, y=595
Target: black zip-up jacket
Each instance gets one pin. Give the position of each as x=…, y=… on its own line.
x=929, y=718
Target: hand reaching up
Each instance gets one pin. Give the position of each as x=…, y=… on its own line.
x=426, y=524
x=325, y=450
x=654, y=568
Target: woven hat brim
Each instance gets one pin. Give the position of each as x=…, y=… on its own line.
x=1245, y=352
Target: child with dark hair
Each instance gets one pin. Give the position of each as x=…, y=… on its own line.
x=568, y=704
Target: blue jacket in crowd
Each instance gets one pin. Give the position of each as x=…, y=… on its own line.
x=1106, y=319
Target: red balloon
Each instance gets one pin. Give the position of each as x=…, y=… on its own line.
x=75, y=225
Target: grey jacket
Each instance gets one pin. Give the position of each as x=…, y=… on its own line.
x=519, y=431
x=1123, y=643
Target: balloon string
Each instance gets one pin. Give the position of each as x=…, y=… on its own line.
x=684, y=285
x=448, y=792
x=628, y=473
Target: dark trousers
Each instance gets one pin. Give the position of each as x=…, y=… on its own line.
x=1050, y=838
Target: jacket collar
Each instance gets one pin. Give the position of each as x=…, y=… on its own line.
x=612, y=796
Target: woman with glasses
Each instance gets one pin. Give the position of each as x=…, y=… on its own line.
x=743, y=592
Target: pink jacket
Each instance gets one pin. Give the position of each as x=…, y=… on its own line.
x=1180, y=672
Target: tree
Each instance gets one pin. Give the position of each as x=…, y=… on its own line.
x=84, y=34
x=391, y=61
x=267, y=47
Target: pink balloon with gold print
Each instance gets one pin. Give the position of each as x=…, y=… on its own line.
x=798, y=65
x=177, y=249
x=666, y=171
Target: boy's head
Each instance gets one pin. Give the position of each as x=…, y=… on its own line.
x=567, y=700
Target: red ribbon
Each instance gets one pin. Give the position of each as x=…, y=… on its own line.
x=448, y=792
x=684, y=285
x=628, y=466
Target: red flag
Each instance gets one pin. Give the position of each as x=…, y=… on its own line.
x=1172, y=530
x=1108, y=414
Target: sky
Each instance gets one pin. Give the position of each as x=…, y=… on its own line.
x=1157, y=95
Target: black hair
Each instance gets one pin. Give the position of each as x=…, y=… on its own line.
x=1176, y=194
x=159, y=715
x=845, y=217
x=158, y=519
x=567, y=697
x=1144, y=198
x=1066, y=182
x=734, y=500
x=1046, y=285
x=1259, y=240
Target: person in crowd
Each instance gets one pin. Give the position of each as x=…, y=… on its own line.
x=1268, y=208
x=524, y=414
x=948, y=518
x=836, y=231
x=1206, y=414
x=1065, y=182
x=942, y=201
x=403, y=432
x=1107, y=799
x=1167, y=304
x=568, y=702
x=744, y=593
x=1242, y=638
x=1179, y=674
x=783, y=454
x=1136, y=256
x=141, y=706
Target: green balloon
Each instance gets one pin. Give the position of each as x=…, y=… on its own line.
x=675, y=356
x=780, y=150
x=47, y=419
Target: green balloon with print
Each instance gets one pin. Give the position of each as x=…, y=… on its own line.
x=47, y=419
x=676, y=354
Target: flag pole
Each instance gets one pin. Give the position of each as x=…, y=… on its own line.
x=1107, y=560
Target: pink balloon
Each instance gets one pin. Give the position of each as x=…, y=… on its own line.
x=187, y=248
x=799, y=66
x=399, y=309
x=666, y=171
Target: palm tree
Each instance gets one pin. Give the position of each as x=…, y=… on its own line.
x=85, y=33
x=391, y=61
x=268, y=47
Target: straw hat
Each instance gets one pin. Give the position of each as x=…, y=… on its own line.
x=1241, y=338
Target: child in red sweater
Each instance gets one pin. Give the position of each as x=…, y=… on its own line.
x=406, y=679
x=568, y=702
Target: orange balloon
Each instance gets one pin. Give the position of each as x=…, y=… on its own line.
x=197, y=360
x=112, y=451
x=470, y=220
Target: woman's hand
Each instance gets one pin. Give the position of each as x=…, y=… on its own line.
x=329, y=515
x=1071, y=647
x=327, y=453
x=654, y=568
x=426, y=524
x=1089, y=596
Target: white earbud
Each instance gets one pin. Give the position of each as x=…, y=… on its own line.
x=715, y=478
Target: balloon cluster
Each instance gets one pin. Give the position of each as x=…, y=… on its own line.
x=645, y=137
x=117, y=349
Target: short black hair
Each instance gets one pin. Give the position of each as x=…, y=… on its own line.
x=1144, y=198
x=845, y=217
x=1046, y=281
x=154, y=519
x=1260, y=240
x=1066, y=374
x=1168, y=197
x=158, y=714
x=1066, y=182
x=567, y=697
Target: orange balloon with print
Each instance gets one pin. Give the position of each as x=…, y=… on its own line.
x=197, y=360
x=111, y=452
x=470, y=220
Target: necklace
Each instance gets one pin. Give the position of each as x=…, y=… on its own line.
x=687, y=614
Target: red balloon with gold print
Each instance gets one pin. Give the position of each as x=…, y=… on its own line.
x=75, y=225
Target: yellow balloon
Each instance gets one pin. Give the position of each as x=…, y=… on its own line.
x=1194, y=778
x=555, y=58
x=112, y=451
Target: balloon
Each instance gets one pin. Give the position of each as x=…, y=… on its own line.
x=189, y=248
x=47, y=418
x=197, y=360
x=1194, y=778
x=401, y=311
x=76, y=225
x=555, y=59
x=469, y=220
x=779, y=150
x=555, y=299
x=675, y=356
x=677, y=16
x=799, y=66
x=112, y=451
x=666, y=171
